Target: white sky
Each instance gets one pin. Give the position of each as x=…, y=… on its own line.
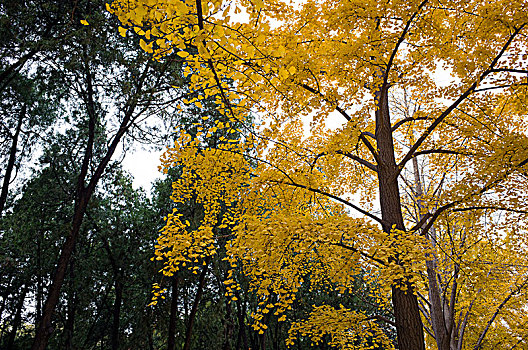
x=143, y=165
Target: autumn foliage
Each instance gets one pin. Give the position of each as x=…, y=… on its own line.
x=391, y=141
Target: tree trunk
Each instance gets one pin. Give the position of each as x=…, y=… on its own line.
x=171, y=342
x=241, y=323
x=228, y=319
x=90, y=337
x=17, y=319
x=194, y=309
x=83, y=195
x=40, y=283
x=70, y=321
x=118, y=286
x=405, y=303
x=45, y=328
x=11, y=161
x=440, y=329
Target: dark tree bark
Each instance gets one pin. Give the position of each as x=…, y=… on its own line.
x=118, y=290
x=406, y=311
x=194, y=309
x=9, y=74
x=173, y=317
x=90, y=334
x=40, y=283
x=17, y=320
x=70, y=321
x=441, y=330
x=11, y=161
x=83, y=194
x=118, y=286
x=241, y=323
x=228, y=319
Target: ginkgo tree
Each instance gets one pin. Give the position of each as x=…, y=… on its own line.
x=424, y=202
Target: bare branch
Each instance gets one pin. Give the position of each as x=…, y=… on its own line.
x=317, y=92
x=359, y=160
x=509, y=70
x=491, y=207
x=440, y=151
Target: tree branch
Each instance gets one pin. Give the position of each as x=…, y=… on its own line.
x=440, y=151
x=329, y=195
x=455, y=104
x=400, y=41
x=509, y=70
x=317, y=92
x=491, y=207
x=381, y=318
x=492, y=319
x=371, y=257
x=351, y=156
x=406, y=120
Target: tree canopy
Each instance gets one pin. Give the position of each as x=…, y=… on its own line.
x=363, y=161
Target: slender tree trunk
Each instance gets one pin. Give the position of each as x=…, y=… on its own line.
x=118, y=290
x=440, y=329
x=241, y=323
x=70, y=321
x=194, y=309
x=90, y=334
x=405, y=303
x=228, y=320
x=173, y=317
x=4, y=296
x=118, y=286
x=17, y=319
x=262, y=337
x=150, y=339
x=83, y=195
x=11, y=161
x=40, y=282
x=45, y=328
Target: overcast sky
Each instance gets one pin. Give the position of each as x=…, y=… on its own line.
x=143, y=165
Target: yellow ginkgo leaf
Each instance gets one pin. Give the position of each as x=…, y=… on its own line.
x=122, y=31
x=84, y=22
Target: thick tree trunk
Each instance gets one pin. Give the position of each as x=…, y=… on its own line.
x=11, y=161
x=173, y=317
x=194, y=309
x=405, y=303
